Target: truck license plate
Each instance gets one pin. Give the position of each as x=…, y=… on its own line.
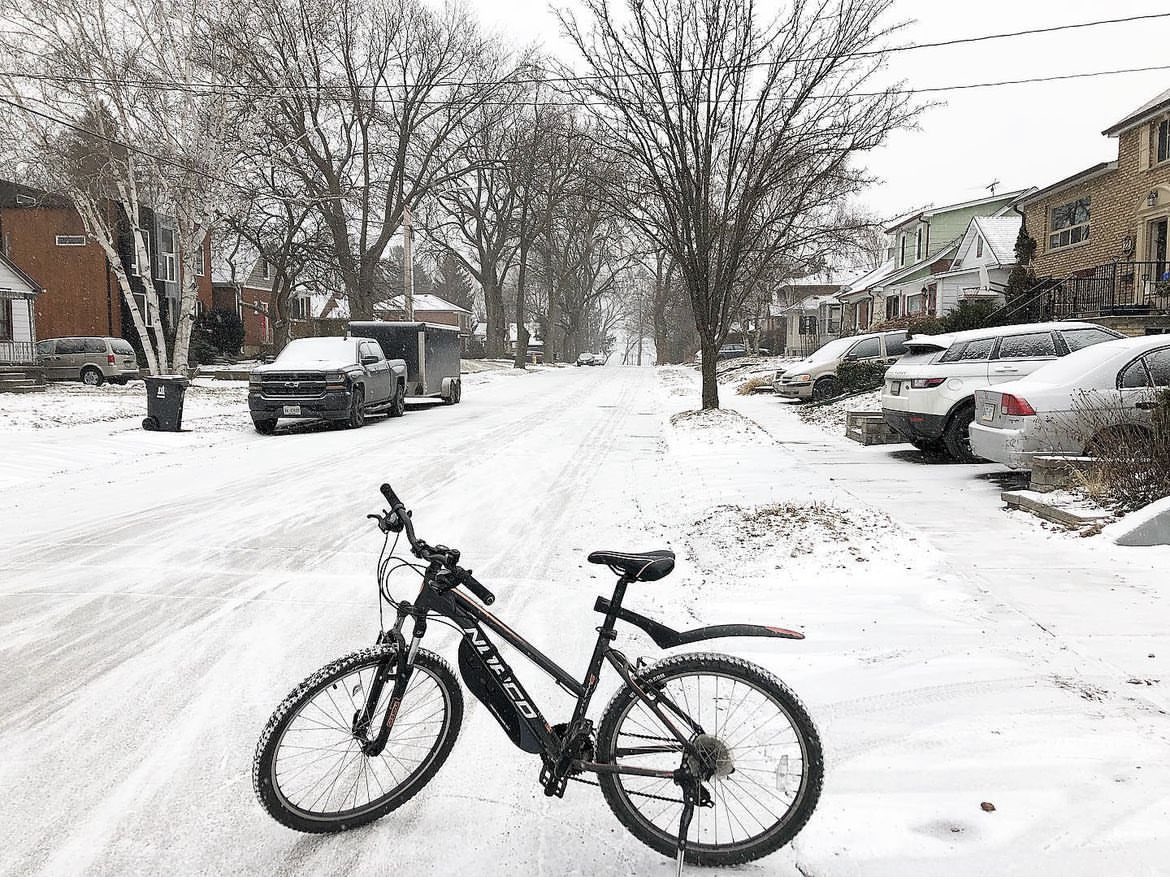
x=988, y=412
x=292, y=410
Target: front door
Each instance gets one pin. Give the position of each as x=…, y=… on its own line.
x=1157, y=255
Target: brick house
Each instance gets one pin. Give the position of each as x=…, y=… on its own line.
x=251, y=299
x=44, y=236
x=1101, y=234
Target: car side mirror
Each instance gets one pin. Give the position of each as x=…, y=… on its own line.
x=369, y=359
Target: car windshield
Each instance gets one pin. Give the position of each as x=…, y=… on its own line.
x=317, y=350
x=832, y=350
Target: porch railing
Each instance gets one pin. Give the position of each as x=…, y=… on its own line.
x=21, y=353
x=1111, y=289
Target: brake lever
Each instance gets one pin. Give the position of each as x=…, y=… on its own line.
x=381, y=522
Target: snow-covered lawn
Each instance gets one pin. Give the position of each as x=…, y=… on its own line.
x=159, y=594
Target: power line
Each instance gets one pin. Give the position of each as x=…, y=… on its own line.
x=956, y=87
x=197, y=86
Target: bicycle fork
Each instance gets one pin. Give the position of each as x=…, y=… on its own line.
x=403, y=660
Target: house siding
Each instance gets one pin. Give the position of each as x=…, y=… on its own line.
x=1118, y=212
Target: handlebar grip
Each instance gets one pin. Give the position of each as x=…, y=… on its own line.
x=391, y=497
x=483, y=593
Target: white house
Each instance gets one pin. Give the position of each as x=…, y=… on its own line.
x=980, y=270
x=18, y=331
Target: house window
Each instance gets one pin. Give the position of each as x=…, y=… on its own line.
x=200, y=264
x=1163, y=136
x=144, y=309
x=265, y=270
x=902, y=249
x=979, y=246
x=5, y=320
x=23, y=201
x=166, y=254
x=918, y=244
x=133, y=262
x=893, y=307
x=1070, y=224
x=299, y=307
x=808, y=325
x=70, y=241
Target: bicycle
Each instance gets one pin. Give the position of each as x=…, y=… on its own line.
x=364, y=734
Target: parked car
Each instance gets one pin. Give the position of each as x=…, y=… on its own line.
x=598, y=360
x=92, y=359
x=1095, y=396
x=585, y=359
x=929, y=395
x=815, y=377
x=329, y=377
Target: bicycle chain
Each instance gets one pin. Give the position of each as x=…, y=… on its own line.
x=656, y=797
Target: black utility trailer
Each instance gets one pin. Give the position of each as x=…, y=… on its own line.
x=431, y=352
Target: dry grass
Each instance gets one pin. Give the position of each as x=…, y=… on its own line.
x=755, y=385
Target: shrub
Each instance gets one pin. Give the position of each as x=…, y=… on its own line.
x=970, y=314
x=222, y=329
x=1131, y=466
x=856, y=376
x=755, y=385
x=202, y=350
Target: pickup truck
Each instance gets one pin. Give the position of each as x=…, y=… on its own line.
x=329, y=377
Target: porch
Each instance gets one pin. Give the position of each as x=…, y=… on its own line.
x=1110, y=290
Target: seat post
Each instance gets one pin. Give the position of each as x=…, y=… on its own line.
x=619, y=593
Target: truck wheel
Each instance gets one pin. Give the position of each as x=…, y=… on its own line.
x=357, y=409
x=398, y=404
x=457, y=393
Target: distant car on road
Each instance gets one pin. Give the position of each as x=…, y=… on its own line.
x=1101, y=395
x=585, y=359
x=929, y=395
x=329, y=377
x=92, y=359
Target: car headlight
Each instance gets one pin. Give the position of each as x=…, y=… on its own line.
x=803, y=377
x=254, y=383
x=334, y=378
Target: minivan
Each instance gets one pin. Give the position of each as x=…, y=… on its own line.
x=815, y=377
x=92, y=359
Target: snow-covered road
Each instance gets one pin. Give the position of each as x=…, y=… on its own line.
x=159, y=594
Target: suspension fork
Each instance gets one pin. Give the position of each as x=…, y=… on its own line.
x=403, y=665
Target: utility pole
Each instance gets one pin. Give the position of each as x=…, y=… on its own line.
x=407, y=263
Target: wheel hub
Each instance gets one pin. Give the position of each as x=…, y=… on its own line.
x=714, y=758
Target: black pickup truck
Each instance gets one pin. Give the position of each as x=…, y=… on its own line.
x=328, y=377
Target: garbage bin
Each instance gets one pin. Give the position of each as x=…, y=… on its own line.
x=164, y=402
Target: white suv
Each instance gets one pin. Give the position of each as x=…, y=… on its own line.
x=929, y=395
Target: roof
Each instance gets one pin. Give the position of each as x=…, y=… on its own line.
x=958, y=206
x=1000, y=234
x=945, y=253
x=810, y=303
x=869, y=278
x=1154, y=105
x=426, y=302
x=1080, y=177
x=18, y=195
x=14, y=280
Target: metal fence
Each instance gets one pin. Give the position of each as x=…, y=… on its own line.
x=1110, y=289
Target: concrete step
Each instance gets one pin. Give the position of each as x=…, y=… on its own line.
x=30, y=388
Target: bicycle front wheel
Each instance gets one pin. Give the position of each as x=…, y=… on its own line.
x=310, y=772
x=757, y=737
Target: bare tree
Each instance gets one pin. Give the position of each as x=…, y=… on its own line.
x=740, y=135
x=373, y=103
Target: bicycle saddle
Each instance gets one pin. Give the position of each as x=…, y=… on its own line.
x=650, y=566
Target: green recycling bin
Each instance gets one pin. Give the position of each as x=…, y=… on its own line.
x=164, y=402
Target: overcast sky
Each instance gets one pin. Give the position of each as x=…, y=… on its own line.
x=1022, y=135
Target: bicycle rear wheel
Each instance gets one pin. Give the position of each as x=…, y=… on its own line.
x=309, y=771
x=766, y=754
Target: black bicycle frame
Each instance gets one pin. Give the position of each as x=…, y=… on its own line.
x=472, y=620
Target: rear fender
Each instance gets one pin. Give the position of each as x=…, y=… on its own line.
x=665, y=637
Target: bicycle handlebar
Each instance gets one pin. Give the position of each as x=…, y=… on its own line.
x=424, y=551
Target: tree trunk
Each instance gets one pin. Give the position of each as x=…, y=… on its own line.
x=709, y=351
x=521, y=330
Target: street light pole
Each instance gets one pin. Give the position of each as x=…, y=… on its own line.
x=407, y=263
